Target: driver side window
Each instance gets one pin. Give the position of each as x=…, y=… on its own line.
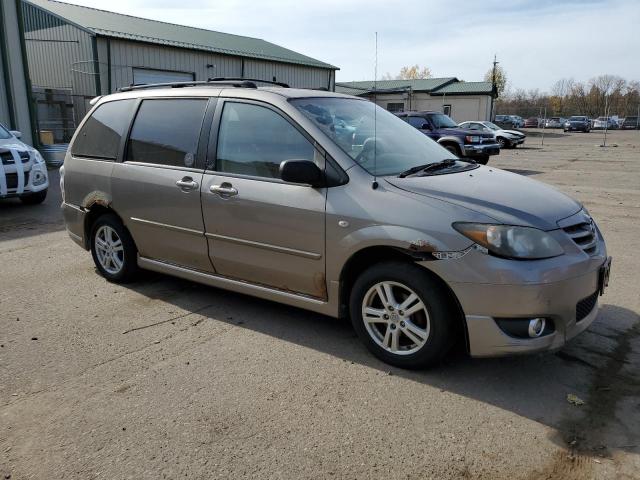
x=254, y=140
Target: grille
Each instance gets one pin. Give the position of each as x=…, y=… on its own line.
x=585, y=306
x=7, y=157
x=584, y=235
x=12, y=179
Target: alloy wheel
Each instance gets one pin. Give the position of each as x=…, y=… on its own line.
x=109, y=249
x=395, y=318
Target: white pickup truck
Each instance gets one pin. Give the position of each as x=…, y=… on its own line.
x=23, y=172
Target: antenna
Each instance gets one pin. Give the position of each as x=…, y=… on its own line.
x=374, y=185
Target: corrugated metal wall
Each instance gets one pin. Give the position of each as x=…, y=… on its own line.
x=294, y=75
x=5, y=117
x=60, y=55
x=126, y=55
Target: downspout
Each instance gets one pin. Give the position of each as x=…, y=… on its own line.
x=35, y=139
x=5, y=71
x=110, y=90
x=96, y=64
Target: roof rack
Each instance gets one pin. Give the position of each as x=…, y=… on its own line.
x=228, y=81
x=232, y=83
x=239, y=79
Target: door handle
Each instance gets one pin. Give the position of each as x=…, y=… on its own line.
x=187, y=183
x=224, y=190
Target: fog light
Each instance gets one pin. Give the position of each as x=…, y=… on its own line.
x=536, y=327
x=38, y=178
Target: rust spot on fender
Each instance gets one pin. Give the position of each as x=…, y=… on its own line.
x=96, y=198
x=421, y=246
x=320, y=285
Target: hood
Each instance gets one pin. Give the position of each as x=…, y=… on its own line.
x=14, y=143
x=504, y=196
x=514, y=132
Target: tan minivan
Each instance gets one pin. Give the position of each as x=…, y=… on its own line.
x=326, y=202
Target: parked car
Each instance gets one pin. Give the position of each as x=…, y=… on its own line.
x=252, y=190
x=23, y=173
x=579, y=123
x=532, y=122
x=632, y=123
x=519, y=121
x=601, y=123
x=464, y=143
x=506, y=121
x=505, y=138
x=555, y=122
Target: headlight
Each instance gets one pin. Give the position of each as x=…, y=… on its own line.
x=511, y=242
x=472, y=139
x=37, y=157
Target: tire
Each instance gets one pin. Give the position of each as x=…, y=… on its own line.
x=116, y=259
x=431, y=324
x=453, y=149
x=483, y=160
x=503, y=142
x=34, y=198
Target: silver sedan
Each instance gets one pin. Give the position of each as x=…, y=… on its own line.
x=505, y=138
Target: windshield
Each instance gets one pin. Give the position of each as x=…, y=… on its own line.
x=349, y=123
x=492, y=126
x=440, y=120
x=4, y=133
x=577, y=119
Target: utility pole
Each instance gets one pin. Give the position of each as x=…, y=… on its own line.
x=494, y=89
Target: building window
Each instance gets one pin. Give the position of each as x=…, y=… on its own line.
x=395, y=107
x=446, y=109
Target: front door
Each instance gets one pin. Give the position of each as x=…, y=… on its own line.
x=157, y=186
x=259, y=228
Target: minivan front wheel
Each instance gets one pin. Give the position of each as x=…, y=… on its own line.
x=402, y=314
x=113, y=249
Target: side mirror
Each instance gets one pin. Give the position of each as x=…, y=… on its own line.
x=301, y=171
x=16, y=133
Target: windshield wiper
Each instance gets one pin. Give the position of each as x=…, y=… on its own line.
x=429, y=167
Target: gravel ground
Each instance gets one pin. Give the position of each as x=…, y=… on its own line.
x=170, y=379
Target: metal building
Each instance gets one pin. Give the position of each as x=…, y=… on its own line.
x=14, y=91
x=75, y=53
x=462, y=101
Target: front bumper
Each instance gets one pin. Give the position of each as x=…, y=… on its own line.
x=554, y=301
x=489, y=288
x=480, y=150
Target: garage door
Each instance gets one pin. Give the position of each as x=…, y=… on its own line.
x=143, y=76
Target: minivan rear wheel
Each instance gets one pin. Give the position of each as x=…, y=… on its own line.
x=113, y=249
x=402, y=314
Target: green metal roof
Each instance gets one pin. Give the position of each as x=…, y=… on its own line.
x=419, y=85
x=117, y=25
x=465, y=88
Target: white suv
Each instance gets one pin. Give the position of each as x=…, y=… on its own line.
x=23, y=172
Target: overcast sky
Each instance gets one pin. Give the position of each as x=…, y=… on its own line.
x=536, y=41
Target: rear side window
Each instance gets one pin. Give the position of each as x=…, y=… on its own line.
x=166, y=132
x=101, y=134
x=253, y=140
